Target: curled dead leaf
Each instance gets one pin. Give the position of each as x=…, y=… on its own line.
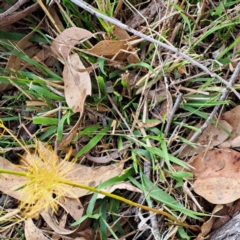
x=49, y=219
x=32, y=232
x=207, y=226
x=119, y=49
x=64, y=42
x=77, y=85
x=233, y=118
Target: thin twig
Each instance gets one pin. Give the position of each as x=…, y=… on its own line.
x=12, y=9
x=14, y=17
x=222, y=98
x=114, y=21
x=170, y=117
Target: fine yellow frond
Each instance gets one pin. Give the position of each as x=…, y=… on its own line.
x=45, y=173
x=45, y=176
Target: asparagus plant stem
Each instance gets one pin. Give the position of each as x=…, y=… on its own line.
x=78, y=185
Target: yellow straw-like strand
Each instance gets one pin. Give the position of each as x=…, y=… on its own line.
x=91, y=189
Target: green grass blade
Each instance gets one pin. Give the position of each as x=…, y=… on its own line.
x=93, y=142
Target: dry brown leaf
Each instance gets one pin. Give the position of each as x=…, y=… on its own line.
x=220, y=221
x=212, y=136
x=235, y=143
x=207, y=226
x=162, y=99
x=108, y=48
x=93, y=176
x=77, y=85
x=42, y=55
x=32, y=50
x=64, y=42
x=148, y=123
x=73, y=207
x=217, y=175
x=120, y=33
x=133, y=56
x=119, y=49
x=233, y=118
x=86, y=234
x=167, y=105
x=68, y=138
x=32, y=232
x=54, y=226
x=9, y=183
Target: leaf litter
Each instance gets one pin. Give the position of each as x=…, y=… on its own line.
x=77, y=85
x=118, y=50
x=232, y=117
x=214, y=172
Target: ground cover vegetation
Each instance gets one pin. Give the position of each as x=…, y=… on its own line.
x=119, y=119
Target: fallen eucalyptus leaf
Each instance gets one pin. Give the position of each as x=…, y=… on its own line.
x=217, y=175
